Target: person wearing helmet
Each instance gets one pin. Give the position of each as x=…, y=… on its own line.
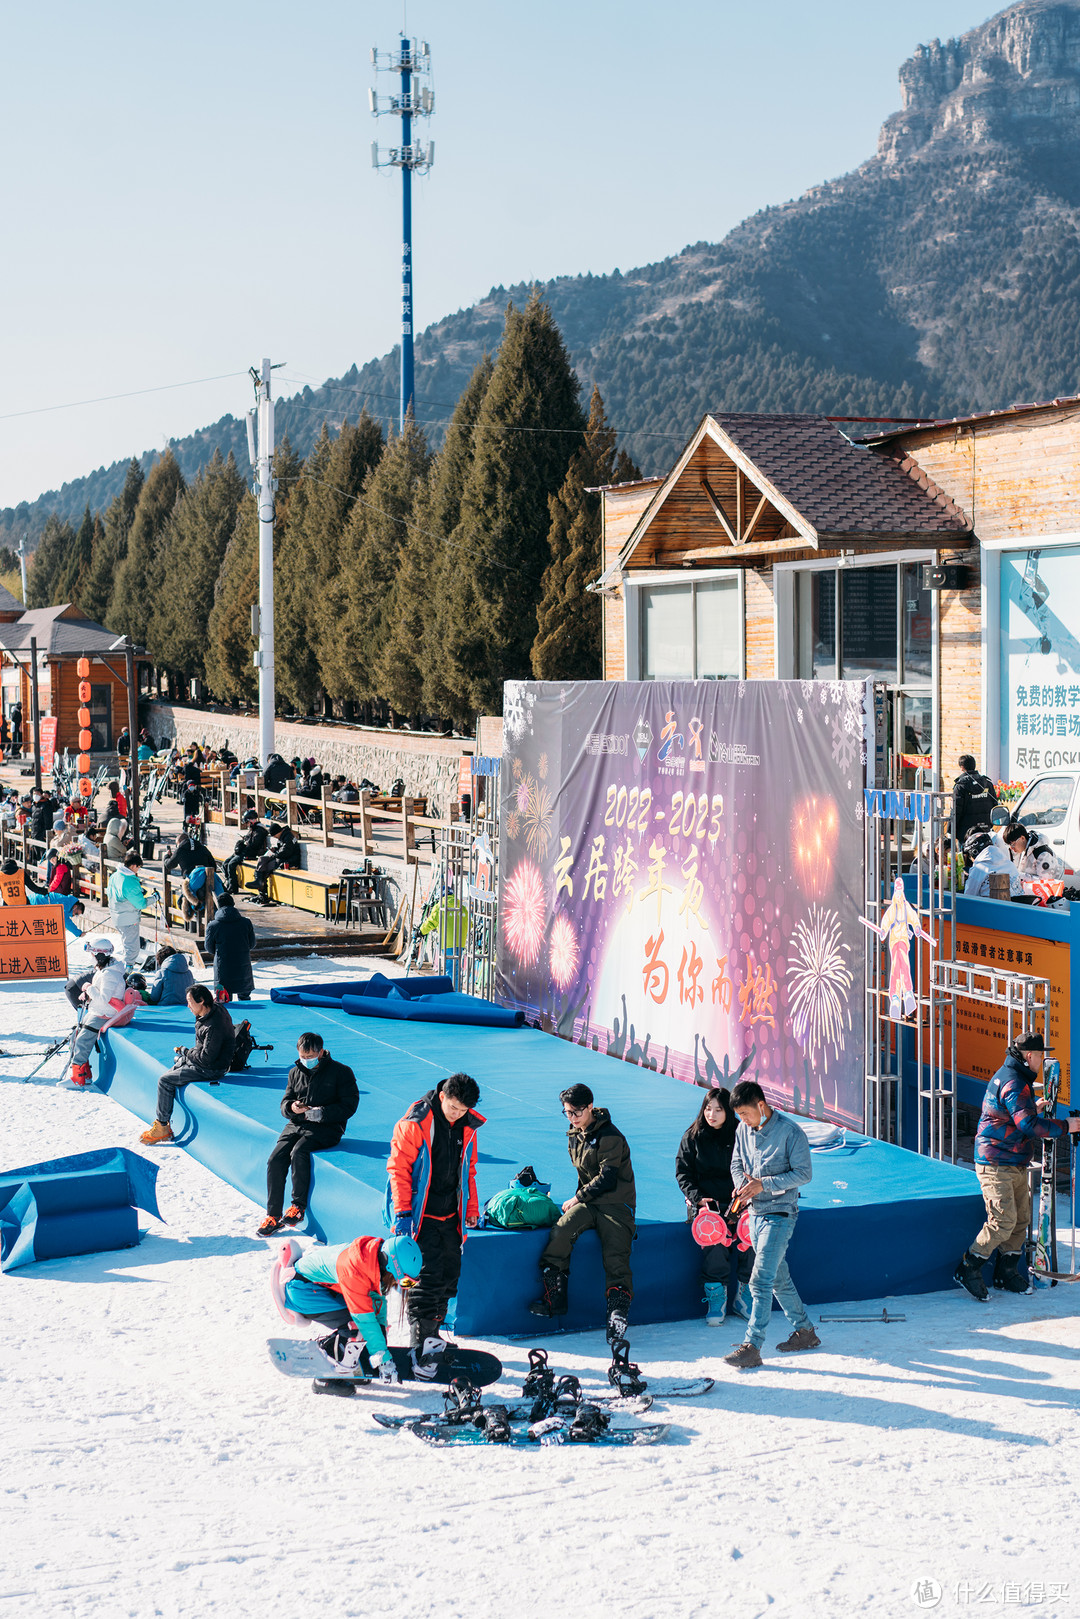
x=103, y=996
x=431, y=1195
x=249, y=848
x=988, y=856
x=345, y=1286
x=320, y=1099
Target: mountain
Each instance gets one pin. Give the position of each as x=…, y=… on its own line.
x=939, y=277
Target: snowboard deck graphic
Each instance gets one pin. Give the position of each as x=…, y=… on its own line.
x=550, y=1432
x=303, y=1358
x=516, y=1410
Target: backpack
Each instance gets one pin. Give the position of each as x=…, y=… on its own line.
x=245, y=1043
x=524, y=1205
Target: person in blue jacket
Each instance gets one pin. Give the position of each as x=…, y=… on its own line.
x=170, y=984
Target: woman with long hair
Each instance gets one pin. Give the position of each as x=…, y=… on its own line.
x=703, y=1171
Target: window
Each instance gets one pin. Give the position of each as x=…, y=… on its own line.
x=691, y=631
x=871, y=623
x=1047, y=803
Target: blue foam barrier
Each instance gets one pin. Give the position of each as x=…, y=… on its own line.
x=81, y=1204
x=405, y=1000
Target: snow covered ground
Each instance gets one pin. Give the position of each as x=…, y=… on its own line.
x=155, y=1463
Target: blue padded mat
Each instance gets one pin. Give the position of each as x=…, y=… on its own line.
x=406, y=1000
x=875, y=1220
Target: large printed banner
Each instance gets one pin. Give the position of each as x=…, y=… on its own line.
x=681, y=878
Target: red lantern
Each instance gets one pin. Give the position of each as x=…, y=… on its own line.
x=84, y=690
x=83, y=764
x=86, y=740
x=83, y=668
x=84, y=717
x=86, y=787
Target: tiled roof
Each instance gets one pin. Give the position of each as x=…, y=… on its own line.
x=8, y=602
x=842, y=488
x=57, y=636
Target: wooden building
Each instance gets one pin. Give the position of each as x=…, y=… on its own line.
x=64, y=635
x=779, y=547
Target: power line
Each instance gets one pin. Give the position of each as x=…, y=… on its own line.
x=136, y=393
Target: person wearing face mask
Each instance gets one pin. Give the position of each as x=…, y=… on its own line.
x=320, y=1099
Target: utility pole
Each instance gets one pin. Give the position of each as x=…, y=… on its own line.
x=412, y=60
x=22, y=567
x=262, y=617
x=35, y=710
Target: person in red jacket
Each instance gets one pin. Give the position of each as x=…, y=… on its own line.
x=431, y=1196
x=323, y=1283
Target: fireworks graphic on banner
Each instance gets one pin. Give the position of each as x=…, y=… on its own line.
x=814, y=828
x=538, y=819
x=523, y=913
x=820, y=983
x=511, y=823
x=563, y=951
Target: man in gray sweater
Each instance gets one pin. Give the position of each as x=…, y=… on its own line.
x=770, y=1161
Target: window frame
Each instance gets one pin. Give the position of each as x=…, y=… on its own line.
x=634, y=659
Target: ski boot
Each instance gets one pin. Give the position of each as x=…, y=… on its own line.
x=588, y=1424
x=494, y=1423
x=742, y=1304
x=539, y=1385
x=462, y=1403
x=554, y=1300
x=969, y=1274
x=623, y=1375
x=80, y=1074
x=715, y=1303
x=618, y=1313
x=1007, y=1278
x=333, y=1385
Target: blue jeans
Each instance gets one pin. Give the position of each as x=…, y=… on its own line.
x=770, y=1235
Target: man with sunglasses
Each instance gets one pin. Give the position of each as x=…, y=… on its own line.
x=604, y=1202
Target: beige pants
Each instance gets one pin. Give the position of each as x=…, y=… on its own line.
x=1007, y=1196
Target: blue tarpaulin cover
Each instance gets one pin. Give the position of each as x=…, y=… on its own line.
x=408, y=1000
x=82, y=1204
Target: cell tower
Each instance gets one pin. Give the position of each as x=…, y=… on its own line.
x=412, y=60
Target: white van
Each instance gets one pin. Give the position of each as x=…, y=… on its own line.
x=1051, y=808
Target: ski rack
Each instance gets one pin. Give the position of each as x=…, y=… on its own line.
x=458, y=865
x=917, y=831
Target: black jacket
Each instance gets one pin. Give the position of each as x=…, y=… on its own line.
x=330, y=1086
x=601, y=1156
x=277, y=773
x=187, y=855
x=230, y=937
x=974, y=796
x=253, y=843
x=703, y=1164
x=287, y=850
x=214, y=1042
x=41, y=818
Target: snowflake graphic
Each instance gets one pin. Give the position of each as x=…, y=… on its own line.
x=798, y=713
x=514, y=710
x=844, y=746
x=807, y=689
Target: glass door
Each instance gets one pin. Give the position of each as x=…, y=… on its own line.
x=100, y=706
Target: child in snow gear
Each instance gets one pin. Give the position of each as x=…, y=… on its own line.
x=770, y=1160
x=320, y=1099
x=103, y=996
x=1009, y=1126
x=604, y=1202
x=207, y=1061
x=431, y=1195
x=703, y=1171
x=127, y=902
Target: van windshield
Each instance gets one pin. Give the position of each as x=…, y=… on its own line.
x=1046, y=803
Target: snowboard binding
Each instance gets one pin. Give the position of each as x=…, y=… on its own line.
x=462, y=1402
x=539, y=1384
x=493, y=1422
x=588, y=1425
x=623, y=1374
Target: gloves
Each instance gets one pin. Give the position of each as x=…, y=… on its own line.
x=314, y=1114
x=386, y=1368
x=403, y=1224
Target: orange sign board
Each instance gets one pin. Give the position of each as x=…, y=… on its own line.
x=32, y=943
x=981, y=1031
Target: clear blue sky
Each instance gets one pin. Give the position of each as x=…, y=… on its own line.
x=188, y=187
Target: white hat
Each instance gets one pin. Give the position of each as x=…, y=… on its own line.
x=100, y=947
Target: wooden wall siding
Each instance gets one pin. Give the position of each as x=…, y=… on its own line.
x=760, y=630
x=687, y=529
x=622, y=509
x=1014, y=476
x=62, y=699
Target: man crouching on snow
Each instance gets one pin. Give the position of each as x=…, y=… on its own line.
x=770, y=1161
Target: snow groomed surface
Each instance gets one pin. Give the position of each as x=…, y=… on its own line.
x=876, y=1220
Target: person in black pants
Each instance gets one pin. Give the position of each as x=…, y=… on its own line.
x=320, y=1099
x=207, y=1060
x=250, y=846
x=703, y=1171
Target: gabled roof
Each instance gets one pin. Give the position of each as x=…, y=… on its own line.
x=806, y=477
x=56, y=635
x=8, y=602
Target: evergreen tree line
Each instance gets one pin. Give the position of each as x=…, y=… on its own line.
x=408, y=585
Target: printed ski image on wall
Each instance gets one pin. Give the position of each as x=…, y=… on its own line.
x=681, y=876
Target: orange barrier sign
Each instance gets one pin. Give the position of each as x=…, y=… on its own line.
x=981, y=1033
x=32, y=942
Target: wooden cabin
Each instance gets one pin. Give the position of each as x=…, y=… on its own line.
x=64, y=635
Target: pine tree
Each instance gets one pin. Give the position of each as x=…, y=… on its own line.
x=530, y=425
x=567, y=645
x=191, y=552
x=110, y=548
x=230, y=670
x=352, y=660
x=49, y=563
x=72, y=579
x=133, y=600
x=332, y=477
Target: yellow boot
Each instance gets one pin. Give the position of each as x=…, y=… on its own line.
x=157, y=1135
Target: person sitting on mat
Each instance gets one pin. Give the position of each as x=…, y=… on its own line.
x=207, y=1060
x=170, y=984
x=431, y=1195
x=703, y=1171
x=345, y=1287
x=605, y=1202
x=320, y=1099
x=104, y=996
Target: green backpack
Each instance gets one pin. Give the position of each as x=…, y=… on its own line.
x=523, y=1206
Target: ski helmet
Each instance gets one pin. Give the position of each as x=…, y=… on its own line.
x=402, y=1258
x=976, y=841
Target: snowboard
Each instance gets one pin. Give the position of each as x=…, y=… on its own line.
x=657, y=1388
x=1044, y=1259
x=303, y=1358
x=516, y=1410
x=552, y=1431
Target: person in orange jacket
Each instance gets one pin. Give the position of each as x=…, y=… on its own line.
x=431, y=1196
x=315, y=1284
